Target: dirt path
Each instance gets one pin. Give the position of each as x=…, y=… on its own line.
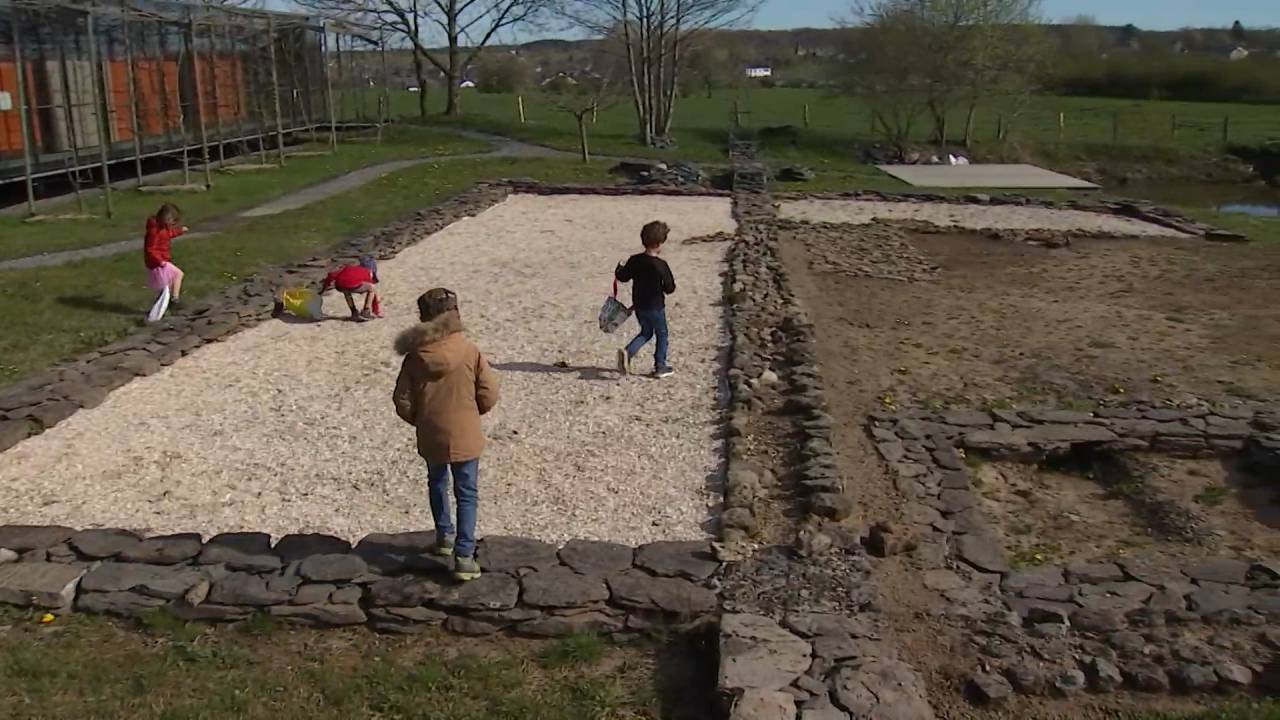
x=295, y=432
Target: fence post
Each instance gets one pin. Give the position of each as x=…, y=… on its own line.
x=1062, y=126
x=22, y=115
x=70, y=123
x=806, y=116
x=98, y=88
x=1226, y=130
x=275, y=87
x=520, y=107
x=328, y=87
x=1173, y=126
x=199, y=102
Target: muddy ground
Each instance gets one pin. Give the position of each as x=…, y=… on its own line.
x=1007, y=324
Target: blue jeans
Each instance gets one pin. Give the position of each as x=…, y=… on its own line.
x=465, y=491
x=652, y=323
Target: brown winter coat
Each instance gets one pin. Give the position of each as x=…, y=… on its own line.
x=444, y=387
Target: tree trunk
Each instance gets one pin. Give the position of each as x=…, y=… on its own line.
x=968, y=124
x=582, y=137
x=629, y=43
x=453, y=75
x=420, y=72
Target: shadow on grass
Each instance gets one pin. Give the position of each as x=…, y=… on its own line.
x=95, y=303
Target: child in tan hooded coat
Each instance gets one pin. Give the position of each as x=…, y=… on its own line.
x=444, y=386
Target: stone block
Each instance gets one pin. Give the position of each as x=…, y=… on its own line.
x=39, y=584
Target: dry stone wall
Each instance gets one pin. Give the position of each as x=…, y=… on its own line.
x=390, y=582
x=801, y=635
x=1147, y=621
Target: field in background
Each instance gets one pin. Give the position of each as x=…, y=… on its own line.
x=838, y=123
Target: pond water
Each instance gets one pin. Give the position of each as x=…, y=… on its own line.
x=1256, y=200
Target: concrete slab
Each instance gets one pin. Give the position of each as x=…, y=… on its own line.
x=985, y=176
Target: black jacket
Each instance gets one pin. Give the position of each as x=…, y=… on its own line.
x=652, y=279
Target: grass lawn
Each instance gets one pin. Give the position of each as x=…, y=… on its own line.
x=230, y=193
x=86, y=667
x=74, y=308
x=838, y=124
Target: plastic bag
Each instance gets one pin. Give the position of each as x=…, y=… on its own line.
x=613, y=313
x=303, y=302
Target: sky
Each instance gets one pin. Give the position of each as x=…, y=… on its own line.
x=1146, y=14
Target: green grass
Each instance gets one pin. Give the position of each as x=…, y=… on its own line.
x=839, y=124
x=1212, y=495
x=230, y=193
x=76, y=307
x=82, y=667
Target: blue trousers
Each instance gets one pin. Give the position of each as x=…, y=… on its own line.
x=465, y=492
x=653, y=324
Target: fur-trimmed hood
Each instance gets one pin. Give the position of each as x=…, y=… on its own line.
x=426, y=333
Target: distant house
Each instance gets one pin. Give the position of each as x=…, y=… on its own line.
x=1238, y=53
x=759, y=71
x=467, y=84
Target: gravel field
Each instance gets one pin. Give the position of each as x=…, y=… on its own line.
x=972, y=217
x=289, y=427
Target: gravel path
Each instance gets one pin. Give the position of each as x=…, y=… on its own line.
x=289, y=427
x=974, y=217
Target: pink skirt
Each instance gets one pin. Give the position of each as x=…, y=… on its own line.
x=159, y=278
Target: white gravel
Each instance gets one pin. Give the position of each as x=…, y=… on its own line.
x=973, y=217
x=290, y=428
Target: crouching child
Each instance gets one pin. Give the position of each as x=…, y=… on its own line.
x=445, y=385
x=359, y=279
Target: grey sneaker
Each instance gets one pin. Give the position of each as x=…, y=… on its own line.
x=442, y=548
x=624, y=362
x=664, y=372
x=465, y=568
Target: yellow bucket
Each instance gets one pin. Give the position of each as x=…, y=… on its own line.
x=303, y=302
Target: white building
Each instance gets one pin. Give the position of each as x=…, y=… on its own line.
x=759, y=71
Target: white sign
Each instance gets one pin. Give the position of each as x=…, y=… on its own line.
x=6, y=100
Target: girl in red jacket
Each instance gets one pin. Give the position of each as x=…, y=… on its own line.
x=162, y=275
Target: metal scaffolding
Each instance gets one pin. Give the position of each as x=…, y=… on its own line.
x=88, y=87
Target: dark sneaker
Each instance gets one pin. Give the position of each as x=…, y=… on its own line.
x=624, y=362
x=367, y=314
x=442, y=548
x=664, y=372
x=465, y=568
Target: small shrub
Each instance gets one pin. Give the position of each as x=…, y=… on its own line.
x=1212, y=495
x=580, y=649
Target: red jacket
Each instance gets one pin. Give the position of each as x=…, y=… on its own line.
x=155, y=248
x=348, y=277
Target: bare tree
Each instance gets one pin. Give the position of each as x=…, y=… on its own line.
x=584, y=96
x=466, y=26
x=932, y=57
x=654, y=38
